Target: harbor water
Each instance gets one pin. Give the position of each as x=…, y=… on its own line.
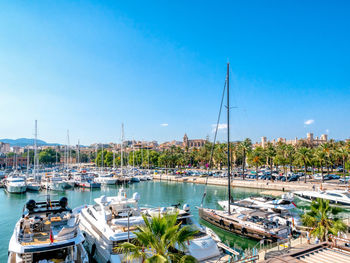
x=153, y=194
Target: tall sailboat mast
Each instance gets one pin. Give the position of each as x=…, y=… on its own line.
x=27, y=160
x=35, y=147
x=121, y=150
x=78, y=153
x=228, y=138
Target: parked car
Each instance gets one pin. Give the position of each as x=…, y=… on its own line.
x=345, y=179
x=293, y=178
x=334, y=176
x=281, y=178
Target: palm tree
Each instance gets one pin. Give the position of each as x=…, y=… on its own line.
x=323, y=220
x=245, y=147
x=320, y=157
x=304, y=156
x=270, y=153
x=343, y=153
x=162, y=237
x=290, y=155
x=256, y=158
x=327, y=149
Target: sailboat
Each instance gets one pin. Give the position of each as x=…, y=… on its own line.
x=250, y=223
x=32, y=181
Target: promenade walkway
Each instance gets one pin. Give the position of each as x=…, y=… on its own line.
x=252, y=183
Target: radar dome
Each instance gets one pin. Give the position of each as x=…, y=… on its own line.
x=136, y=196
x=186, y=207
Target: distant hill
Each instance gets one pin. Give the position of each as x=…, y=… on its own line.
x=25, y=141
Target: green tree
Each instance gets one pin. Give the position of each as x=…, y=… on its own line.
x=163, y=236
x=320, y=158
x=245, y=147
x=48, y=156
x=343, y=154
x=256, y=158
x=323, y=220
x=303, y=156
x=270, y=153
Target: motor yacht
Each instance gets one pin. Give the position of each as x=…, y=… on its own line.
x=15, y=184
x=335, y=197
x=33, y=185
x=106, y=179
x=55, y=183
x=47, y=232
x=105, y=225
x=86, y=181
x=204, y=247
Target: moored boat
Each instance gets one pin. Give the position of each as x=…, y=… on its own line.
x=335, y=197
x=15, y=184
x=105, y=225
x=47, y=232
x=253, y=224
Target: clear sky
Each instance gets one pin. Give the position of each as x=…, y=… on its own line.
x=159, y=67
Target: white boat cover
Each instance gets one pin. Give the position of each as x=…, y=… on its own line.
x=203, y=248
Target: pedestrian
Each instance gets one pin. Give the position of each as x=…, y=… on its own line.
x=308, y=237
x=317, y=240
x=313, y=187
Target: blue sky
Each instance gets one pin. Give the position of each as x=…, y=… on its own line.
x=88, y=66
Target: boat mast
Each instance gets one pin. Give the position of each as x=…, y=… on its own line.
x=27, y=160
x=228, y=138
x=102, y=161
x=133, y=157
x=121, y=150
x=78, y=153
x=35, y=147
x=113, y=159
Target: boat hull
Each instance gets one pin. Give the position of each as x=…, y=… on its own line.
x=89, y=185
x=14, y=189
x=33, y=188
x=234, y=227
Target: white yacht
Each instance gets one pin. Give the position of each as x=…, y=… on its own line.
x=104, y=225
x=335, y=197
x=55, y=183
x=47, y=232
x=262, y=202
x=105, y=179
x=204, y=247
x=15, y=184
x=33, y=185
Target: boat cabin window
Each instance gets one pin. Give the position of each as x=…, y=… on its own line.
x=284, y=202
x=97, y=207
x=347, y=195
x=336, y=195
